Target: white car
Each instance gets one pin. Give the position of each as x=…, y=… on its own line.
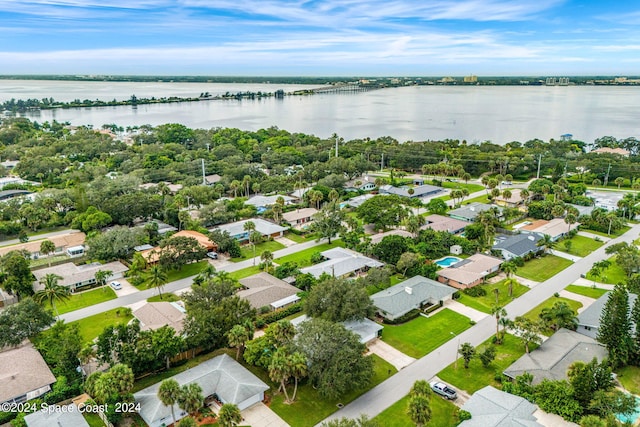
x=116, y=285
x=443, y=390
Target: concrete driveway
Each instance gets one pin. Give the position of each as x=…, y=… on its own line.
x=469, y=312
x=397, y=358
x=585, y=301
x=260, y=415
x=127, y=288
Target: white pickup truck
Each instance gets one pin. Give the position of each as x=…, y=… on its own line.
x=444, y=390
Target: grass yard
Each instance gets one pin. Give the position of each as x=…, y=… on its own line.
x=479, y=199
x=303, y=258
x=629, y=377
x=580, y=245
x=543, y=268
x=308, y=237
x=612, y=275
x=612, y=235
x=443, y=414
x=245, y=272
x=186, y=271
x=422, y=335
x=485, y=303
x=247, y=250
x=85, y=299
x=477, y=376
x=309, y=408
x=166, y=297
x=93, y=419
x=587, y=291
x=534, y=314
x=92, y=326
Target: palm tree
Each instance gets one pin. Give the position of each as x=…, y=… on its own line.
x=102, y=276
x=277, y=211
x=282, y=332
x=413, y=223
x=190, y=398
x=559, y=316
x=598, y=268
x=168, y=393
x=547, y=243
x=509, y=269
x=279, y=370
x=299, y=369
x=47, y=247
x=498, y=311
x=156, y=278
x=229, y=415
x=419, y=410
x=237, y=337
x=267, y=259
x=52, y=291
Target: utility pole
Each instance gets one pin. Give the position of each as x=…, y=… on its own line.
x=204, y=179
x=337, y=145
x=606, y=177
x=382, y=163
x=539, y=160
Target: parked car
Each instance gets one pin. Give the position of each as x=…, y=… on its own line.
x=116, y=285
x=212, y=255
x=444, y=390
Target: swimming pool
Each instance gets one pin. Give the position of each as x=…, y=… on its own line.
x=632, y=418
x=447, y=261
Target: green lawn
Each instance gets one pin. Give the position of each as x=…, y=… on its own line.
x=245, y=272
x=443, y=414
x=534, y=313
x=300, y=239
x=247, y=250
x=309, y=408
x=477, y=376
x=612, y=275
x=612, y=235
x=485, y=303
x=580, y=245
x=422, y=335
x=479, y=199
x=303, y=258
x=85, y=299
x=93, y=419
x=472, y=188
x=186, y=271
x=92, y=326
x=587, y=291
x=45, y=261
x=166, y=297
x=629, y=377
x=543, y=268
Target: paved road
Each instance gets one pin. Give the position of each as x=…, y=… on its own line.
x=174, y=286
x=397, y=386
x=36, y=237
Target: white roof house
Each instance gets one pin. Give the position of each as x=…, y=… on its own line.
x=65, y=416
x=237, y=231
x=341, y=262
x=75, y=276
x=366, y=330
x=264, y=201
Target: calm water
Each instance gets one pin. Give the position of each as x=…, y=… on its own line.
x=499, y=114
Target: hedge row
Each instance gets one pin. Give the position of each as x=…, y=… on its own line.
x=279, y=314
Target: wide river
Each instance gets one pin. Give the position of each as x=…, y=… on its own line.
x=474, y=113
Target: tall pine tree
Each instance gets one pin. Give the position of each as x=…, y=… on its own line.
x=615, y=327
x=635, y=319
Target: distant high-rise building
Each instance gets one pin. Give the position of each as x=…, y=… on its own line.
x=471, y=79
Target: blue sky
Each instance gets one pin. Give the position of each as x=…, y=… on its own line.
x=320, y=37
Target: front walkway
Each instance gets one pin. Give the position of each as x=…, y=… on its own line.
x=552, y=420
x=397, y=358
x=593, y=236
x=260, y=415
x=469, y=312
x=527, y=282
x=585, y=301
x=564, y=255
x=589, y=283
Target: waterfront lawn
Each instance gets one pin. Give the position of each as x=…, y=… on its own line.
x=477, y=376
x=92, y=326
x=309, y=408
x=485, y=303
x=534, y=314
x=612, y=275
x=443, y=413
x=422, y=335
x=247, y=250
x=629, y=377
x=543, y=268
x=303, y=258
x=580, y=245
x=587, y=291
x=84, y=299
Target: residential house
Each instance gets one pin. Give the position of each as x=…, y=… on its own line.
x=237, y=231
x=608, y=150
x=377, y=238
x=11, y=194
x=300, y=217
x=490, y=407
x=517, y=246
x=444, y=223
x=355, y=202
x=221, y=379
x=554, y=356
x=265, y=290
x=422, y=191
x=163, y=228
x=582, y=210
x=298, y=194
x=514, y=201
x=363, y=183
x=62, y=242
x=414, y=293
x=589, y=318
x=263, y=202
x=173, y=188
x=469, y=272
x=556, y=228
x=341, y=262
x=212, y=179
x=77, y=276
x=9, y=180
x=65, y=416
x=469, y=212
x=7, y=298
x=24, y=375
x=152, y=255
x=367, y=330
x=154, y=315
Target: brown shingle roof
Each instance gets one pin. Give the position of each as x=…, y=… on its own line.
x=154, y=315
x=264, y=289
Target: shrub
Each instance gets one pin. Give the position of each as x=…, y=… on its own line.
x=476, y=291
x=402, y=319
x=280, y=314
x=463, y=415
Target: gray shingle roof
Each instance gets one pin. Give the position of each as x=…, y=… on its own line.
x=262, y=226
x=470, y=211
x=263, y=201
x=362, y=328
x=591, y=315
x=418, y=190
x=341, y=261
x=520, y=244
x=490, y=407
x=397, y=301
x=22, y=370
x=68, y=416
x=552, y=359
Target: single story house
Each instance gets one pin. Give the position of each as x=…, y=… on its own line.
x=212, y=179
x=77, y=276
x=554, y=356
x=7, y=298
x=514, y=201
x=221, y=378
x=377, y=238
x=355, y=202
x=469, y=212
x=367, y=330
x=556, y=228
x=490, y=407
x=363, y=183
x=444, y=223
x=518, y=246
x=67, y=416
x=24, y=375
x=341, y=262
x=608, y=150
x=299, y=216
x=264, y=202
x=582, y=210
x=265, y=290
x=62, y=242
x=154, y=315
x=413, y=293
x=10, y=194
x=589, y=318
x=422, y=191
x=173, y=188
x=237, y=231
x=469, y=272
x=299, y=193
x=152, y=255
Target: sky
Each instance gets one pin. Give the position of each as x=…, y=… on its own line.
x=320, y=37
